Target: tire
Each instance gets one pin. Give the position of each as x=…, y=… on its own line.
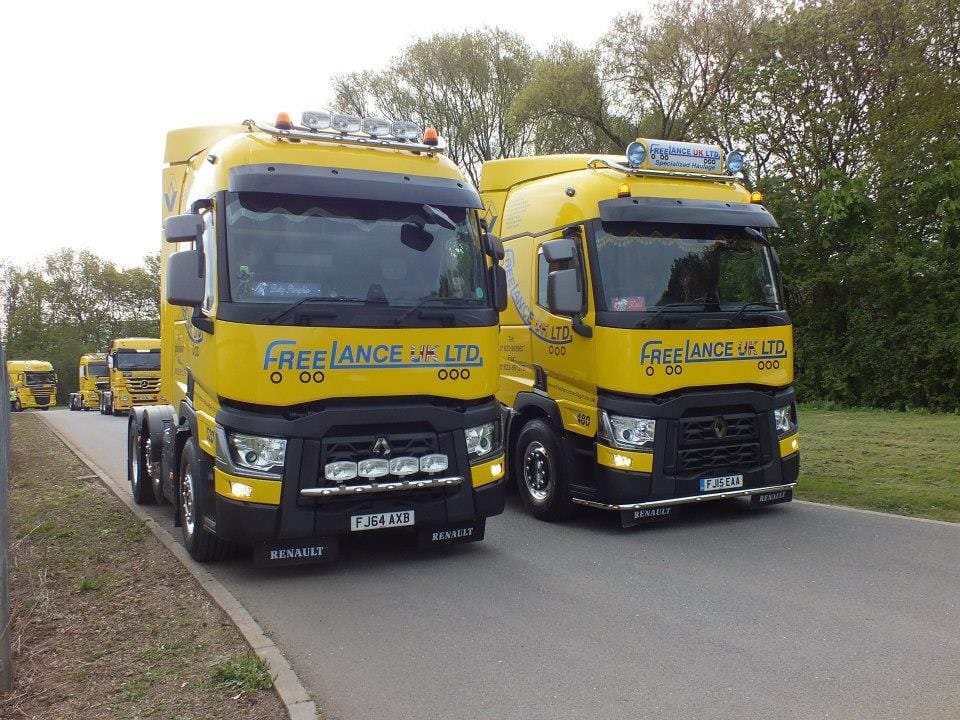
x=200, y=543
x=155, y=481
x=45, y=407
x=17, y=406
x=140, y=486
x=103, y=407
x=541, y=472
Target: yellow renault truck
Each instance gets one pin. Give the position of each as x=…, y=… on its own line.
x=94, y=378
x=33, y=384
x=329, y=330
x=134, y=375
x=646, y=357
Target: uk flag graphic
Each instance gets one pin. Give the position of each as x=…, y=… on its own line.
x=424, y=353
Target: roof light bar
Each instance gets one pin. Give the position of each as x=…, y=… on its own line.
x=345, y=123
x=376, y=126
x=316, y=119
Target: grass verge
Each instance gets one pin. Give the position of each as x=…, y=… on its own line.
x=906, y=463
x=107, y=624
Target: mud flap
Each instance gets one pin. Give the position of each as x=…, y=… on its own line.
x=771, y=498
x=629, y=518
x=296, y=552
x=455, y=534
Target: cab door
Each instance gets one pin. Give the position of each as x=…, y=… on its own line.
x=562, y=346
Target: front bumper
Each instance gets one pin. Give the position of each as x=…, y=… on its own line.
x=686, y=451
x=307, y=508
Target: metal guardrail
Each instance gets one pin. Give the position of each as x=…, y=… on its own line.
x=6, y=661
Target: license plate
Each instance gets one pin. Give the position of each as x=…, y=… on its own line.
x=721, y=483
x=379, y=521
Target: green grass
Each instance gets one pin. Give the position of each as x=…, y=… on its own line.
x=906, y=463
x=243, y=673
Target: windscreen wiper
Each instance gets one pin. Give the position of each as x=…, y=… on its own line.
x=743, y=309
x=431, y=299
x=651, y=321
x=314, y=299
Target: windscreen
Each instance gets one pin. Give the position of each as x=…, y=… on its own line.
x=40, y=378
x=646, y=266
x=134, y=360
x=284, y=248
x=98, y=370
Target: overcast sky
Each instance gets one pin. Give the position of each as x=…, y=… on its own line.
x=90, y=90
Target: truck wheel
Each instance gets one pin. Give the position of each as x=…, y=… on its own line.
x=540, y=472
x=17, y=406
x=139, y=483
x=200, y=543
x=103, y=408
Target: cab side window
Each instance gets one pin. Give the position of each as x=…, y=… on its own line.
x=543, y=271
x=210, y=262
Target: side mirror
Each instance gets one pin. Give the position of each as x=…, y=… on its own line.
x=184, y=284
x=110, y=361
x=493, y=246
x=564, y=297
x=498, y=281
x=183, y=228
x=559, y=250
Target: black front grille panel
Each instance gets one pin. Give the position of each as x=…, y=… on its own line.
x=696, y=431
x=745, y=455
x=722, y=440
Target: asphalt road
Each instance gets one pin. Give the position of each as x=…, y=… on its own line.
x=795, y=611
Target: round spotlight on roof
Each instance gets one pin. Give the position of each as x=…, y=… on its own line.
x=734, y=162
x=636, y=154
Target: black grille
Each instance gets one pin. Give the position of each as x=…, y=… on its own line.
x=742, y=456
x=41, y=399
x=721, y=440
x=735, y=427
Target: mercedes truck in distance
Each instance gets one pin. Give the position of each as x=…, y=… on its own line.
x=134, y=375
x=646, y=357
x=329, y=324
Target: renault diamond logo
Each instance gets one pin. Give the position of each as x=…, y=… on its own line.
x=720, y=427
x=381, y=447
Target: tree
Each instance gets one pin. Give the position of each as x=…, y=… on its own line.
x=461, y=84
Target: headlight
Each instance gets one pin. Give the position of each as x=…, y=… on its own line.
x=627, y=433
x=785, y=419
x=262, y=454
x=483, y=441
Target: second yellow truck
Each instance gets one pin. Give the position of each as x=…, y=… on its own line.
x=646, y=357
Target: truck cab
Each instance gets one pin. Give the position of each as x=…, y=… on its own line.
x=329, y=312
x=94, y=378
x=647, y=354
x=33, y=384
x=133, y=373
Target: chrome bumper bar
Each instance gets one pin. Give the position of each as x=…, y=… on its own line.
x=387, y=487
x=689, y=499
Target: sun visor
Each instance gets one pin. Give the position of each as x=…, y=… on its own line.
x=698, y=212
x=353, y=184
